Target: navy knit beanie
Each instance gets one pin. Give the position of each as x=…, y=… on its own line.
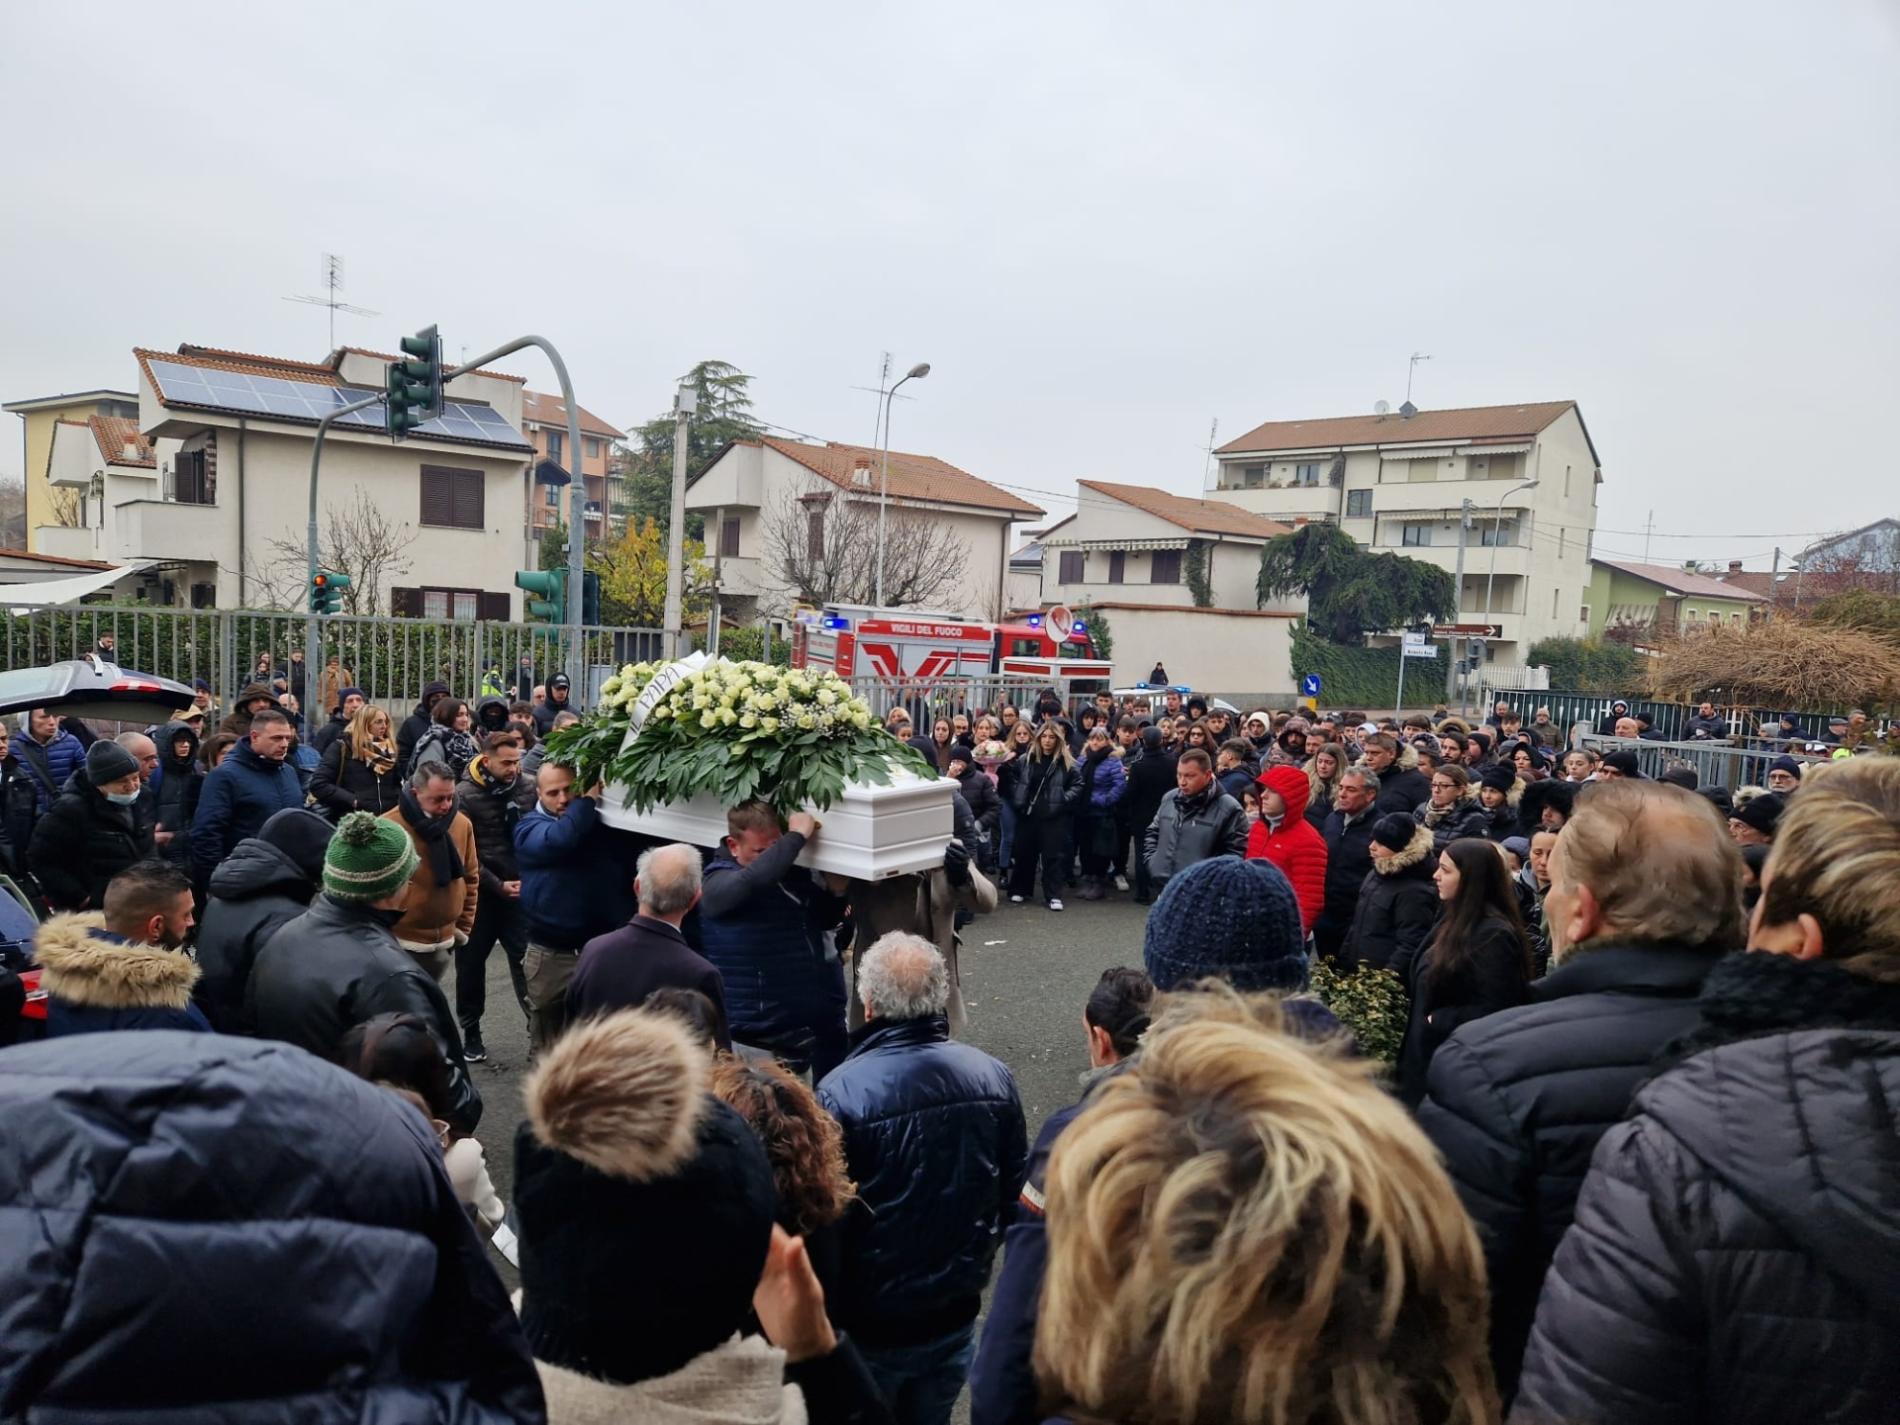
x=1226, y=919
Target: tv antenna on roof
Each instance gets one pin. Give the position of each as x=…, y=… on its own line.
x=1410, y=370
x=332, y=285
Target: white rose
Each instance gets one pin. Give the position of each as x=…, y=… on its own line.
x=765, y=701
x=748, y=719
x=768, y=724
x=806, y=722
x=709, y=719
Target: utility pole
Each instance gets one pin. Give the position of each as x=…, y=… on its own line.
x=685, y=402
x=917, y=372
x=1774, y=579
x=1457, y=602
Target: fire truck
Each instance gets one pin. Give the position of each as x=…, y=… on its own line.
x=912, y=645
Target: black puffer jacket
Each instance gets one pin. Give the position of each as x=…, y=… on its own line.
x=493, y=812
x=1186, y=830
x=337, y=966
x=82, y=843
x=343, y=784
x=934, y=1138
x=1047, y=790
x=165, y=1258
x=1402, y=789
x=19, y=809
x=1150, y=778
x=1737, y=1243
x=1494, y=975
x=1464, y=817
x=180, y=780
x=1348, y=863
x=417, y=723
x=1398, y=902
x=1517, y=1101
x=254, y=890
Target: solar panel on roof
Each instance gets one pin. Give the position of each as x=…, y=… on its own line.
x=306, y=400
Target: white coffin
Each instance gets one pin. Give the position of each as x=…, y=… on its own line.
x=868, y=834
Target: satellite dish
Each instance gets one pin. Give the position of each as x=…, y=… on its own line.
x=1381, y=408
x=1407, y=411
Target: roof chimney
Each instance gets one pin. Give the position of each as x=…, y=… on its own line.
x=130, y=451
x=861, y=470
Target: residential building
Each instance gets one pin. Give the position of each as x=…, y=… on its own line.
x=1023, y=586
x=38, y=415
x=544, y=422
x=783, y=516
x=1666, y=599
x=1137, y=542
x=211, y=483
x=1131, y=555
x=1399, y=482
x=18, y=566
x=1861, y=560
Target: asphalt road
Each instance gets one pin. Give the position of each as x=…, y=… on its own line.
x=1026, y=973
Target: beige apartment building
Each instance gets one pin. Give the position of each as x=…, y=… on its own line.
x=1398, y=481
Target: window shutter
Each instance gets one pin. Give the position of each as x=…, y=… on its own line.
x=406, y=603
x=495, y=606
x=438, y=505
x=729, y=538
x=1117, y=559
x=814, y=536
x=468, y=511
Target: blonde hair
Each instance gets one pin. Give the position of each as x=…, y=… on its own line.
x=1316, y=784
x=358, y=730
x=1836, y=857
x=1659, y=861
x=1245, y=1226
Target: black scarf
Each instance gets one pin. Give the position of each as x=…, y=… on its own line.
x=444, y=859
x=1755, y=993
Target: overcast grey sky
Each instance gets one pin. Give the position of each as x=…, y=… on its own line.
x=1103, y=224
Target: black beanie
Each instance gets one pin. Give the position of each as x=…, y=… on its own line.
x=646, y=1205
x=302, y=835
x=106, y=761
x=1624, y=761
x=1499, y=777
x=1226, y=919
x=1394, y=831
x=1761, y=813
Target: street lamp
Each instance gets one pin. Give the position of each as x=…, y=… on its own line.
x=1497, y=522
x=917, y=372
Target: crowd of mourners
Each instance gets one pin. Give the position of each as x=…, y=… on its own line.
x=1634, y=1158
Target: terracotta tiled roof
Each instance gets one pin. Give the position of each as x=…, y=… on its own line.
x=1185, y=609
x=1681, y=581
x=58, y=559
x=539, y=408
x=913, y=477
x=114, y=433
x=1762, y=583
x=389, y=356
x=1200, y=516
x=1474, y=424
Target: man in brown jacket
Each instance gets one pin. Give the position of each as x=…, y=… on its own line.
x=440, y=909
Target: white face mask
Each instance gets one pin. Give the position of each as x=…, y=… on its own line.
x=122, y=799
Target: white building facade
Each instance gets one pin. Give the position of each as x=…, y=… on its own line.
x=759, y=496
x=1399, y=483
x=211, y=483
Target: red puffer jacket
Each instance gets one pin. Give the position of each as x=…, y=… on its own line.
x=1297, y=849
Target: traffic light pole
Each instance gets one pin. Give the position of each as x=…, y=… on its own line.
x=1457, y=598
x=577, y=507
x=312, y=663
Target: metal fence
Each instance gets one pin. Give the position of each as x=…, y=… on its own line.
x=389, y=658
x=1746, y=724
x=1716, y=764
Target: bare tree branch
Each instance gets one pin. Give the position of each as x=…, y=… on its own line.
x=822, y=542
x=356, y=539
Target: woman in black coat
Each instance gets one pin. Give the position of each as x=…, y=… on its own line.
x=1047, y=791
x=1477, y=961
x=985, y=805
x=85, y=838
x=1398, y=900
x=359, y=769
x=180, y=779
x=1453, y=810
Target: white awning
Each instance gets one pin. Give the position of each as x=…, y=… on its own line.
x=1114, y=544
x=66, y=591
x=1517, y=449
x=1440, y=454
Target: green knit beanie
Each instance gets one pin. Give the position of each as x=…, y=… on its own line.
x=367, y=859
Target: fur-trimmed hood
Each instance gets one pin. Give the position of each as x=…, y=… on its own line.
x=1416, y=850
x=84, y=968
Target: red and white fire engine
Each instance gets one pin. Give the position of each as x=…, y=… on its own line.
x=855, y=640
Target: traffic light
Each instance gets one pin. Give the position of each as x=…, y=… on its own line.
x=415, y=384
x=326, y=591
x=551, y=586
x=590, y=598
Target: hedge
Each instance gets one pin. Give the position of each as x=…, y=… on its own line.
x=1366, y=677
x=1588, y=665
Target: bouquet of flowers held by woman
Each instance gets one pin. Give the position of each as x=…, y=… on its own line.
x=734, y=731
